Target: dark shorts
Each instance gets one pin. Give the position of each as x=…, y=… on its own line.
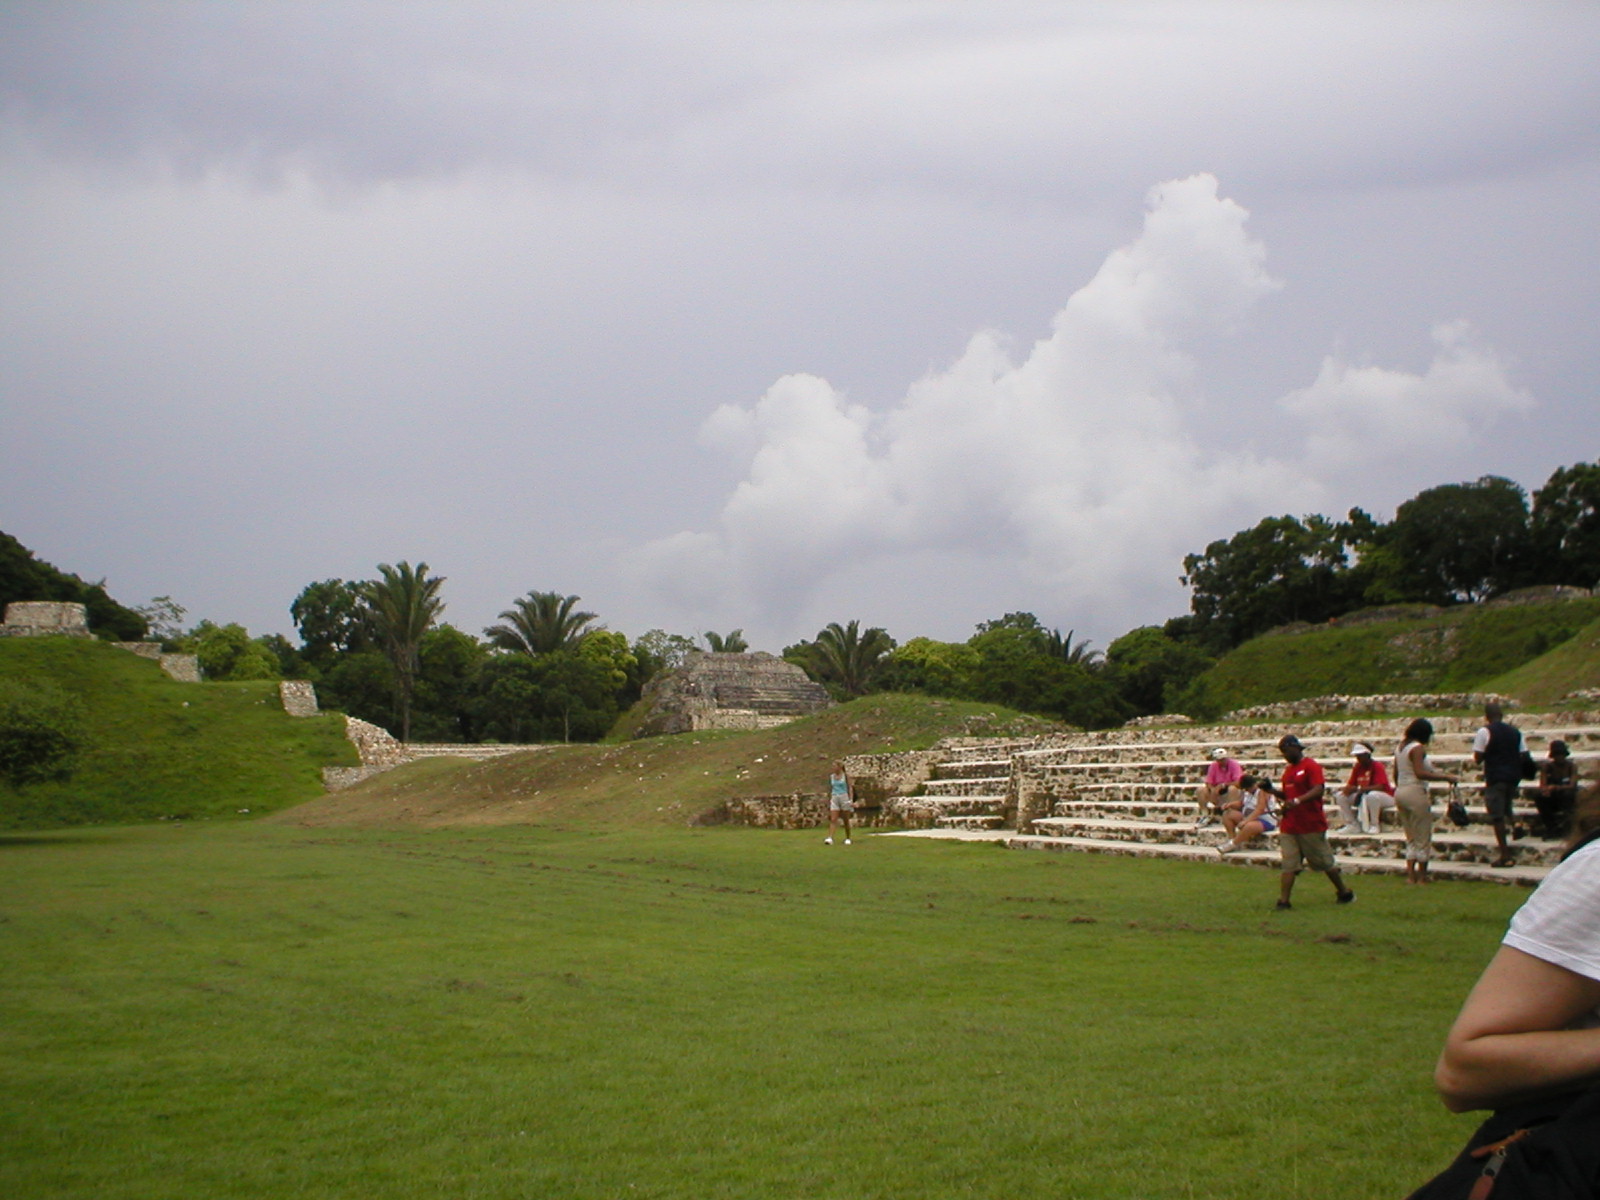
x=1305, y=849
x=1497, y=798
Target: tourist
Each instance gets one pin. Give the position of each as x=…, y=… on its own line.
x=1221, y=786
x=841, y=802
x=1366, y=793
x=1412, y=771
x=1499, y=748
x=1530, y=1027
x=1255, y=815
x=1557, y=791
x=1302, y=825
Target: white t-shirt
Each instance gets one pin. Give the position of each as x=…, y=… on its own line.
x=1480, y=740
x=1560, y=923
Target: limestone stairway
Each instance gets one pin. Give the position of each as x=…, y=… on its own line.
x=971, y=787
x=1133, y=792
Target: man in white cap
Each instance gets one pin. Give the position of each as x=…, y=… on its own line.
x=1365, y=794
x=1221, y=787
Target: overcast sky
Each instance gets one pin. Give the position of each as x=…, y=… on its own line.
x=770, y=315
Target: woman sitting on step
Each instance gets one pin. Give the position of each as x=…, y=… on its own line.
x=1255, y=816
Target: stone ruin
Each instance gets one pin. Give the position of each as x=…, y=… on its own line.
x=45, y=618
x=729, y=691
x=66, y=618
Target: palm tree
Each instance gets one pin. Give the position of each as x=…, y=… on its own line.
x=404, y=604
x=847, y=656
x=1077, y=653
x=734, y=643
x=541, y=623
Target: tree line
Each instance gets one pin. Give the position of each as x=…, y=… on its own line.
x=549, y=671
x=1453, y=544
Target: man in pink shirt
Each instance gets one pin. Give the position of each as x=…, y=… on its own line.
x=1221, y=787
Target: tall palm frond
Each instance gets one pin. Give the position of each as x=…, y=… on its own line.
x=848, y=656
x=404, y=604
x=1067, y=650
x=541, y=623
x=734, y=643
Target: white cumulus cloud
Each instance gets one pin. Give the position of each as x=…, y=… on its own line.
x=1358, y=413
x=1077, y=470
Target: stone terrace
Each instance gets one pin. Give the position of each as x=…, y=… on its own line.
x=1132, y=791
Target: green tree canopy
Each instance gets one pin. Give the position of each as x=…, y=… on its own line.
x=25, y=577
x=333, y=618
x=1281, y=570
x=404, y=603
x=1566, y=526
x=227, y=652
x=1459, y=542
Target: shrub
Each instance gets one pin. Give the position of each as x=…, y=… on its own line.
x=41, y=732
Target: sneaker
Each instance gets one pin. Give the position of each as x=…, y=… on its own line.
x=1346, y=897
x=1204, y=821
x=827, y=841
x=1228, y=848
x=847, y=841
x=1282, y=905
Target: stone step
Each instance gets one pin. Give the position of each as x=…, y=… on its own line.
x=975, y=768
x=1525, y=876
x=1192, y=774
x=979, y=786
x=985, y=821
x=1449, y=843
x=1169, y=803
x=1325, y=749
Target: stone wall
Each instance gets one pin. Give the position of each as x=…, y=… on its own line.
x=1328, y=706
x=45, y=618
x=796, y=810
x=299, y=697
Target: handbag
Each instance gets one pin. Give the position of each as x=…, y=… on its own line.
x=1456, y=810
x=1542, y=1150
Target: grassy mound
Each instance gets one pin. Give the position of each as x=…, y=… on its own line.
x=1463, y=649
x=159, y=748
x=1570, y=666
x=663, y=781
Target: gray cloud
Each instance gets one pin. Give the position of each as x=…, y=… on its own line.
x=289, y=290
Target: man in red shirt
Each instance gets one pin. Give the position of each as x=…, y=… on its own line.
x=1303, y=828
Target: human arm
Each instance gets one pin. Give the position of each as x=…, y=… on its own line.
x=1422, y=769
x=1510, y=1041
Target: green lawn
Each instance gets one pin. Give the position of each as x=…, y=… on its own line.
x=250, y=1010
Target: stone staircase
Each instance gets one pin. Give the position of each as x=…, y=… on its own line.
x=1133, y=791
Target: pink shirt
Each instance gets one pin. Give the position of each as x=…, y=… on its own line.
x=1224, y=773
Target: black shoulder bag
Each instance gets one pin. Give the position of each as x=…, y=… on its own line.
x=1543, y=1150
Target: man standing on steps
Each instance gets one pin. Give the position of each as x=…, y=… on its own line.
x=1303, y=827
x=1499, y=748
x=841, y=802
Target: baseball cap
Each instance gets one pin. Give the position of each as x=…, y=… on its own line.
x=1359, y=749
x=1288, y=740
x=1219, y=753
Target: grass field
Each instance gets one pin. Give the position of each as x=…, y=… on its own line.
x=257, y=1010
